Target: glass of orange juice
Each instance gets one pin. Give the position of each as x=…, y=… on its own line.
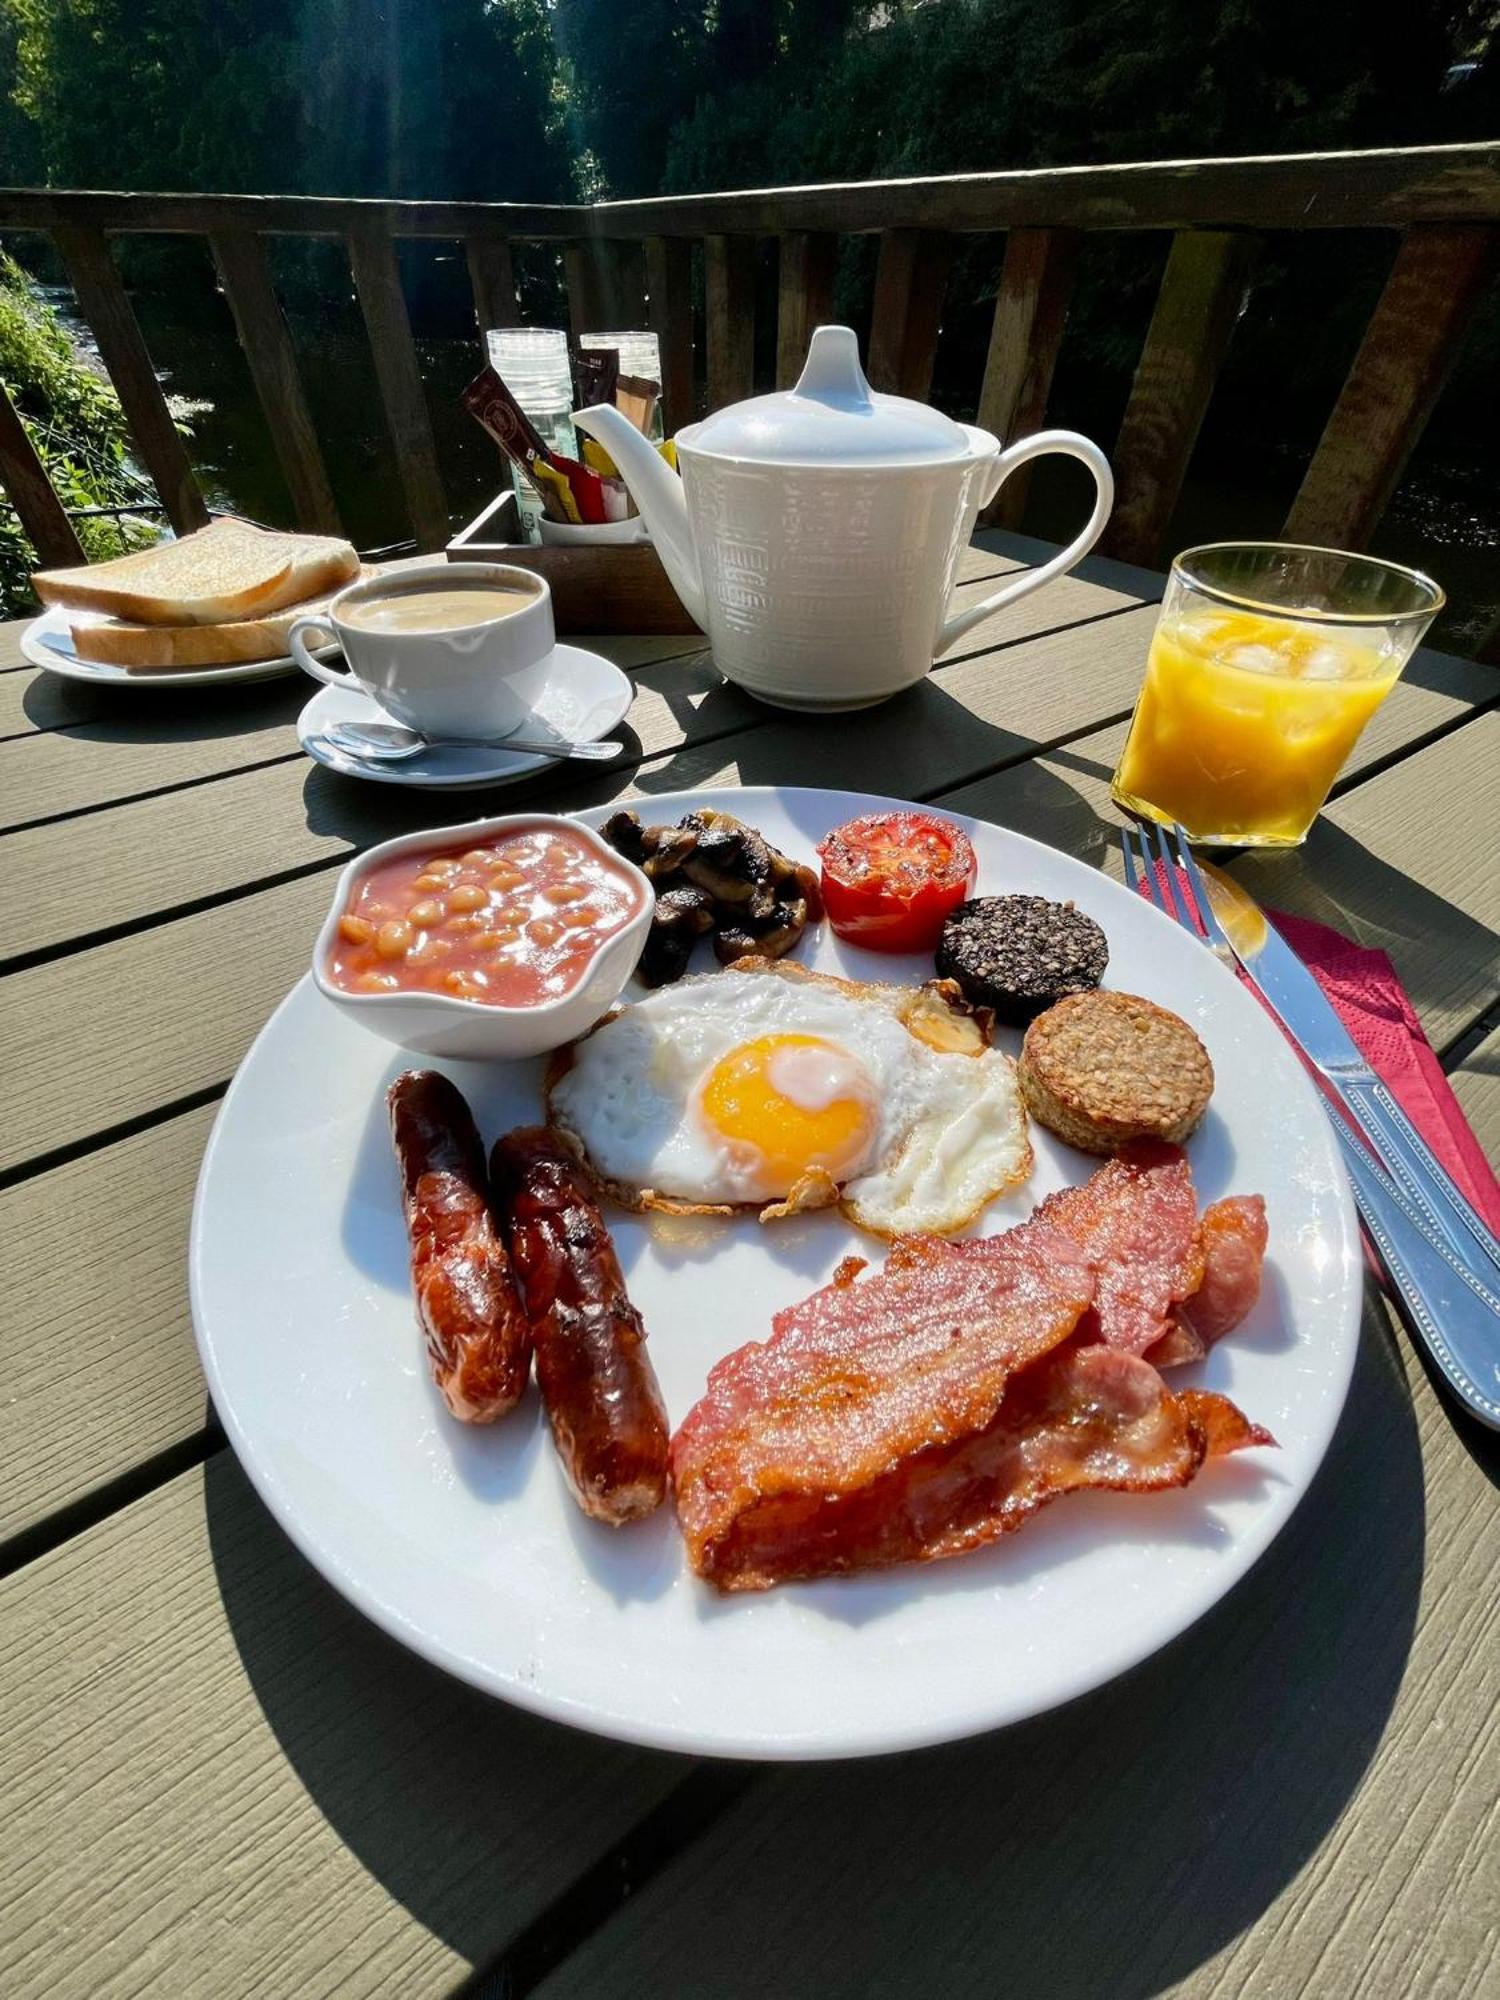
x=1267, y=662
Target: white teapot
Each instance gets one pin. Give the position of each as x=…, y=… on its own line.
x=815, y=534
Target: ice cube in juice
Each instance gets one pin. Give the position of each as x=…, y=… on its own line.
x=1243, y=721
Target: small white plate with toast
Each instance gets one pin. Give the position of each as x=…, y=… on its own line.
x=48, y=642
x=215, y=605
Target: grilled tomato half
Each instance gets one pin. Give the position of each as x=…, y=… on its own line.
x=890, y=879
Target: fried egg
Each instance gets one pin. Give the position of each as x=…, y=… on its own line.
x=769, y=1087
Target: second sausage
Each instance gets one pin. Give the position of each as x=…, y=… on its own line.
x=596, y=1380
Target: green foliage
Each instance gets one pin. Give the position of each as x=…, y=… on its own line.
x=429, y=98
x=539, y=99
x=75, y=422
x=965, y=85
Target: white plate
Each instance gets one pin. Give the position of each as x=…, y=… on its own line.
x=579, y=694
x=465, y=1544
x=46, y=643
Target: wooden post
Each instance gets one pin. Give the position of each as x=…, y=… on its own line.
x=1031, y=308
x=624, y=266
x=910, y=279
x=669, y=281
x=25, y=480
x=729, y=287
x=1201, y=292
x=102, y=301
x=1410, y=345
x=493, y=279
x=809, y=265
x=587, y=307
x=377, y=280
x=241, y=259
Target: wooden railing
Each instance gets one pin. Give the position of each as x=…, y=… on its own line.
x=629, y=263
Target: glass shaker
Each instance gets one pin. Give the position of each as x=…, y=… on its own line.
x=640, y=355
x=532, y=362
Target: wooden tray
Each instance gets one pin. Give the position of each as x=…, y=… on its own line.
x=594, y=588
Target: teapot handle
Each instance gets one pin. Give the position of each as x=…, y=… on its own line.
x=1073, y=446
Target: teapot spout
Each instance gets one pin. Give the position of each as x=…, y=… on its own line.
x=657, y=491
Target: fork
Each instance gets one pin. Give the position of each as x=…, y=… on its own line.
x=1448, y=1305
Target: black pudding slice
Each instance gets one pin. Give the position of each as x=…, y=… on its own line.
x=1019, y=954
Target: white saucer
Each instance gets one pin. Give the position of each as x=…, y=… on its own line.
x=577, y=693
x=47, y=642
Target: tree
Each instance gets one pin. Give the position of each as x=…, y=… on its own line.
x=428, y=98
x=975, y=84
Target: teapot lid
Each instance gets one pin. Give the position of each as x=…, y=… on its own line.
x=832, y=417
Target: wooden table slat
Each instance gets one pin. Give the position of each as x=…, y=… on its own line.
x=101, y=1369
x=135, y=745
x=30, y=700
x=293, y=813
x=1476, y=1085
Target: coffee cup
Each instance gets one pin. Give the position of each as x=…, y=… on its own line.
x=449, y=649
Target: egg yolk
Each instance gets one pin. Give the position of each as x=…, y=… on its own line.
x=790, y=1102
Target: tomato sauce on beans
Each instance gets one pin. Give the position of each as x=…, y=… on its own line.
x=515, y=923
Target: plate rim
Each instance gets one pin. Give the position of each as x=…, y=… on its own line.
x=864, y=1740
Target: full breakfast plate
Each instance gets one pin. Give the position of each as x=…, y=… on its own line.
x=46, y=642
x=465, y=1542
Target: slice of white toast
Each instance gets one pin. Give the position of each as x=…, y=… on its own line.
x=165, y=649
x=225, y=572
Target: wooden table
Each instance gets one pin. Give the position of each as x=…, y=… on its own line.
x=219, y=1779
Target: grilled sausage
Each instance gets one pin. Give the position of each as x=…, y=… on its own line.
x=468, y=1305
x=597, y=1383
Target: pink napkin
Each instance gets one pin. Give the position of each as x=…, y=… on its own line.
x=1363, y=990
x=1370, y=1000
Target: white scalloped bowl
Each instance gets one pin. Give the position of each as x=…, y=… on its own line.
x=441, y=1024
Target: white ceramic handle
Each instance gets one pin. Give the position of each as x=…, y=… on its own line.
x=1072, y=445
x=335, y=676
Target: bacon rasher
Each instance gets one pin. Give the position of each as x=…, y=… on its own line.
x=1233, y=1235
x=779, y=1469
x=925, y=1410
x=1136, y=1220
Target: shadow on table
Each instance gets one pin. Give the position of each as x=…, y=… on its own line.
x=906, y=747
x=1107, y=1849
x=105, y=713
x=469, y=1813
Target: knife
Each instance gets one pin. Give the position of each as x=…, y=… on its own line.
x=1312, y=1023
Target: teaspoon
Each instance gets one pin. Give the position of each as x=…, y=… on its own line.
x=390, y=742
